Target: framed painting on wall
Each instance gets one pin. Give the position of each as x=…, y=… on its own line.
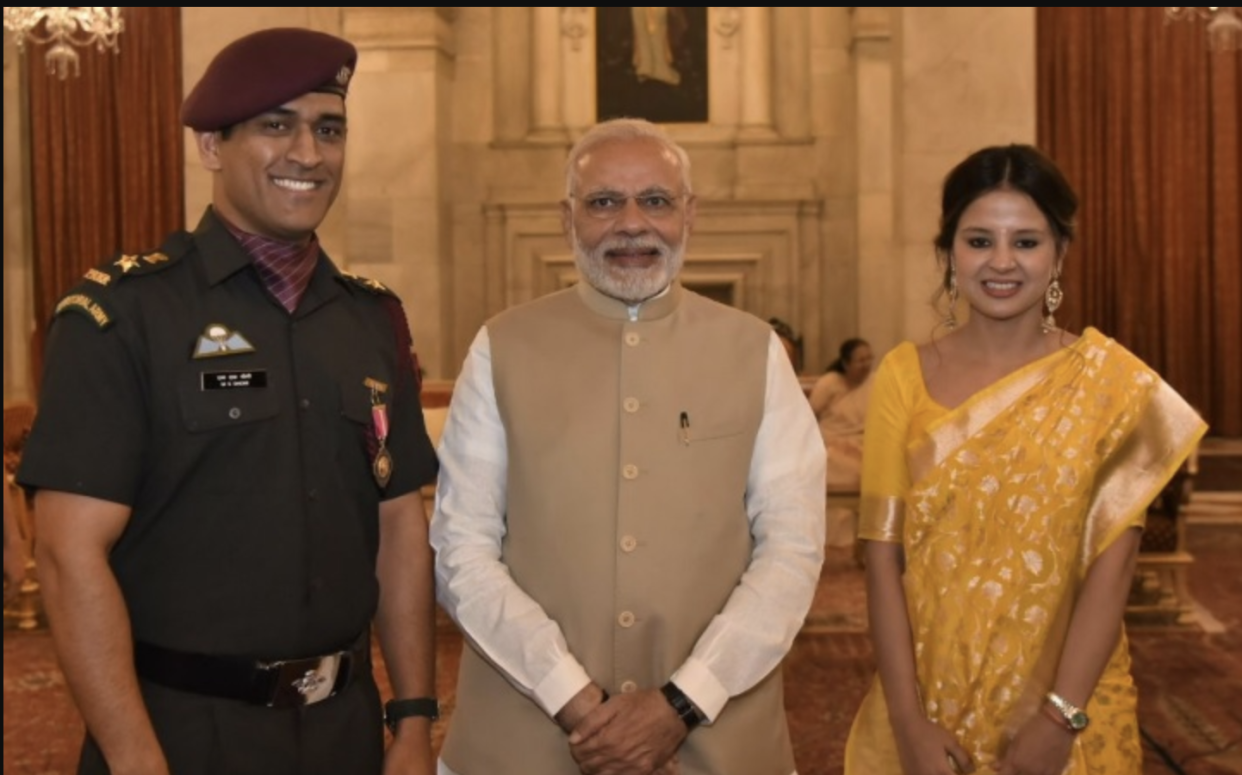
x=651, y=63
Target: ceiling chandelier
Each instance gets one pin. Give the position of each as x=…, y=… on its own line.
x=63, y=29
x=1223, y=25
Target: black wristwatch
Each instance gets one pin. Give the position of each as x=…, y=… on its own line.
x=396, y=710
x=685, y=709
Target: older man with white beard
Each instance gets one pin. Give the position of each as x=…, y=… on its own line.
x=629, y=519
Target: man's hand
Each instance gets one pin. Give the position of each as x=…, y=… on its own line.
x=579, y=706
x=633, y=734
x=409, y=753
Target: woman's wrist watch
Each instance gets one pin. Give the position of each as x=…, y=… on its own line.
x=1076, y=719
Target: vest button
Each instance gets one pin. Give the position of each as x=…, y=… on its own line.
x=630, y=471
x=626, y=619
x=629, y=543
x=632, y=338
x=631, y=405
x=628, y=687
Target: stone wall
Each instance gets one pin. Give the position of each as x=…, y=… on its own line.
x=829, y=130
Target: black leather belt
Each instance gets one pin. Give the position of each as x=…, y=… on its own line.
x=281, y=683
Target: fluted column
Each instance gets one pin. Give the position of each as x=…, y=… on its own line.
x=880, y=277
x=547, y=121
x=398, y=200
x=756, y=73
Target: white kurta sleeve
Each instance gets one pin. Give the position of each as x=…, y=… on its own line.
x=785, y=505
x=472, y=582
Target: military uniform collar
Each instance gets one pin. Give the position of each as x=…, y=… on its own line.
x=222, y=255
x=658, y=306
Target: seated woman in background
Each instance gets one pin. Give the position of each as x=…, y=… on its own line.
x=839, y=400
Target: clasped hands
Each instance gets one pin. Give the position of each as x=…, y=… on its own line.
x=631, y=734
x=1040, y=747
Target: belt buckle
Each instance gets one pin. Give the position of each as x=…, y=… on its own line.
x=307, y=681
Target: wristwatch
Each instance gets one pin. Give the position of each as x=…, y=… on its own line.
x=685, y=709
x=1076, y=718
x=396, y=710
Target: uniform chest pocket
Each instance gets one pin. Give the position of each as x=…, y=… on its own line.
x=204, y=409
x=356, y=405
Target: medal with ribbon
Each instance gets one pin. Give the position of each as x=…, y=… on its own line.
x=381, y=467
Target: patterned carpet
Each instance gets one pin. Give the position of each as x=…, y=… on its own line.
x=1190, y=680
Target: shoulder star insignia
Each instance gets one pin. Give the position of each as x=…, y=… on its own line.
x=366, y=282
x=127, y=263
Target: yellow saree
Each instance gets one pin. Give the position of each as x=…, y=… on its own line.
x=1002, y=504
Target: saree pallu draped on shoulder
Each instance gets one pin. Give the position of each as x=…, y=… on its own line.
x=1013, y=496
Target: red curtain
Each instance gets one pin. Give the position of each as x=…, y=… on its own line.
x=106, y=155
x=1144, y=119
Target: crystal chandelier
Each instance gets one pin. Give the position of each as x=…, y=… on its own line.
x=64, y=28
x=1223, y=25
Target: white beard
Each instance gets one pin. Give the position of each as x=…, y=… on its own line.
x=627, y=284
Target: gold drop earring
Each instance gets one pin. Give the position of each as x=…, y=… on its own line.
x=950, y=318
x=1052, y=301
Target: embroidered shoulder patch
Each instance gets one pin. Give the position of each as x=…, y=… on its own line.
x=374, y=286
x=96, y=276
x=85, y=305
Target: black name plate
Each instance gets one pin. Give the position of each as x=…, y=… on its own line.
x=234, y=380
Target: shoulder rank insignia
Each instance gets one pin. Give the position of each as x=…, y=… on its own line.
x=96, y=276
x=128, y=265
x=374, y=286
x=217, y=340
x=85, y=305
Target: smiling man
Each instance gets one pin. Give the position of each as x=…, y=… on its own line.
x=227, y=459
x=630, y=567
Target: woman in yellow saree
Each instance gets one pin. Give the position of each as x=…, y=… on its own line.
x=1006, y=471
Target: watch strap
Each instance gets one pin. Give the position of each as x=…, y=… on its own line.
x=685, y=709
x=396, y=710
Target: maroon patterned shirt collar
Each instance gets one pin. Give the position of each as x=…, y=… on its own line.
x=284, y=267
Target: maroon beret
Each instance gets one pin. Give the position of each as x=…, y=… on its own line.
x=264, y=70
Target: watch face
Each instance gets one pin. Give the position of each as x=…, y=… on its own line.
x=1078, y=721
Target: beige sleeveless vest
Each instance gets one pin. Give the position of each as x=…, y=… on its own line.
x=628, y=528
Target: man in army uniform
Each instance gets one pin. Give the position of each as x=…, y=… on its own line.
x=227, y=459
